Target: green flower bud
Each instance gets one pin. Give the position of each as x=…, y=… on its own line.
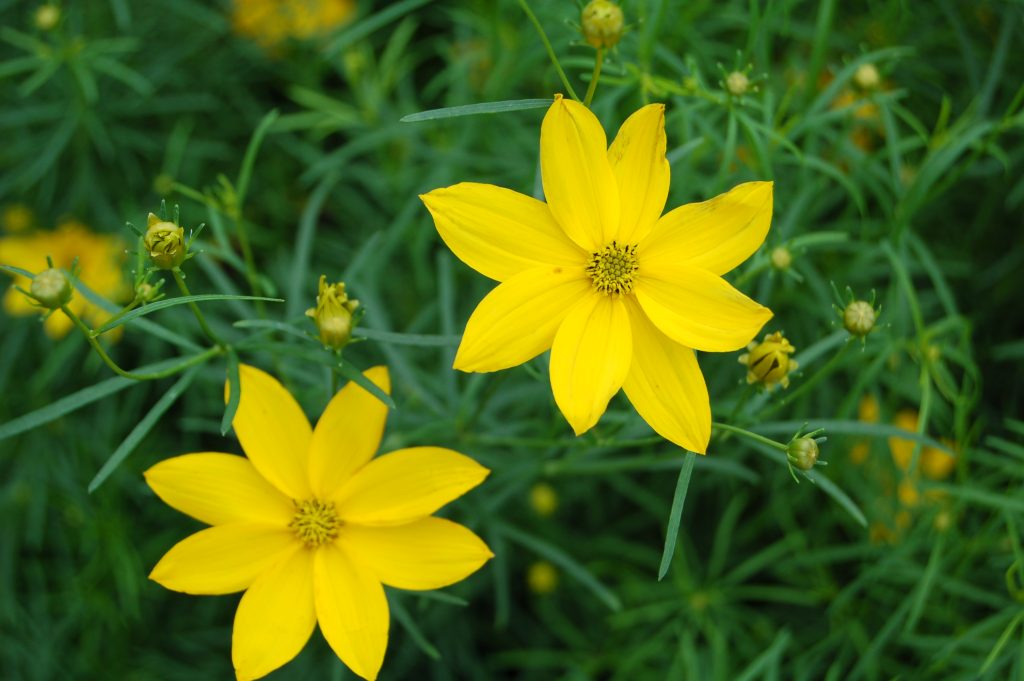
x=51, y=288
x=859, y=318
x=602, y=23
x=781, y=258
x=47, y=16
x=802, y=453
x=333, y=314
x=737, y=83
x=165, y=243
x=866, y=77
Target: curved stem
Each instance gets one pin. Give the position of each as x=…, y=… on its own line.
x=594, y=77
x=195, y=308
x=551, y=50
x=747, y=434
x=95, y=344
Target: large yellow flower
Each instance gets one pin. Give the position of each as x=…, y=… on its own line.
x=620, y=293
x=309, y=527
x=99, y=267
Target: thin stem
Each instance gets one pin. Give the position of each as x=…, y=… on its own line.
x=594, y=77
x=195, y=308
x=88, y=333
x=551, y=50
x=127, y=308
x=824, y=371
x=250, y=261
x=746, y=433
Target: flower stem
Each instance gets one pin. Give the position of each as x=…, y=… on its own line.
x=747, y=434
x=91, y=338
x=180, y=280
x=594, y=77
x=551, y=50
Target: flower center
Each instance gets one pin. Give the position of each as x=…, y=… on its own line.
x=612, y=268
x=315, y=522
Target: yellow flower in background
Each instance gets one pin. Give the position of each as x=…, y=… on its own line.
x=543, y=499
x=271, y=22
x=310, y=527
x=542, y=577
x=621, y=294
x=935, y=464
x=868, y=411
x=100, y=258
x=16, y=217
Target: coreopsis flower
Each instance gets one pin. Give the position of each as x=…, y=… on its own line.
x=99, y=256
x=310, y=525
x=271, y=22
x=621, y=294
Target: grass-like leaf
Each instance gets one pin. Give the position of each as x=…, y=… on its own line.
x=474, y=109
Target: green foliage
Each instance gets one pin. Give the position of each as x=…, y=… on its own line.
x=309, y=158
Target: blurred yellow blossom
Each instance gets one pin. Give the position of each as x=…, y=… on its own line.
x=16, y=217
x=543, y=499
x=100, y=257
x=542, y=577
x=272, y=22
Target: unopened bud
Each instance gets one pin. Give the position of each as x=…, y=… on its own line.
x=333, y=314
x=47, y=16
x=737, y=83
x=866, y=77
x=781, y=258
x=51, y=288
x=802, y=453
x=165, y=243
x=602, y=23
x=768, y=362
x=859, y=318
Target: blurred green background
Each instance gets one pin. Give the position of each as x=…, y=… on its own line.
x=907, y=182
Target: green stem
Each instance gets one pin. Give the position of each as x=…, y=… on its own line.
x=127, y=308
x=594, y=77
x=747, y=434
x=180, y=280
x=91, y=338
x=551, y=50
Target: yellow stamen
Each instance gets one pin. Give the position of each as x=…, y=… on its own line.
x=612, y=268
x=315, y=522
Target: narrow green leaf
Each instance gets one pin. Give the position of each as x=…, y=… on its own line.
x=274, y=325
x=858, y=428
x=474, y=109
x=142, y=428
x=676, y=513
x=408, y=338
x=353, y=374
x=79, y=399
x=401, y=616
x=171, y=302
x=564, y=561
x=235, y=394
x=17, y=271
x=838, y=495
x=249, y=160
x=372, y=23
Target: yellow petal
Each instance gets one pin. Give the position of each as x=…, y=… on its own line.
x=274, y=432
x=578, y=182
x=517, y=320
x=223, y=559
x=666, y=386
x=219, y=488
x=715, y=235
x=499, y=232
x=352, y=611
x=590, y=358
x=425, y=554
x=347, y=434
x=641, y=170
x=275, y=617
x=407, y=485
x=698, y=309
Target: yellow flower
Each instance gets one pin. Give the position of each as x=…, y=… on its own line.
x=867, y=411
x=935, y=463
x=310, y=527
x=271, y=22
x=620, y=293
x=99, y=263
x=543, y=499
